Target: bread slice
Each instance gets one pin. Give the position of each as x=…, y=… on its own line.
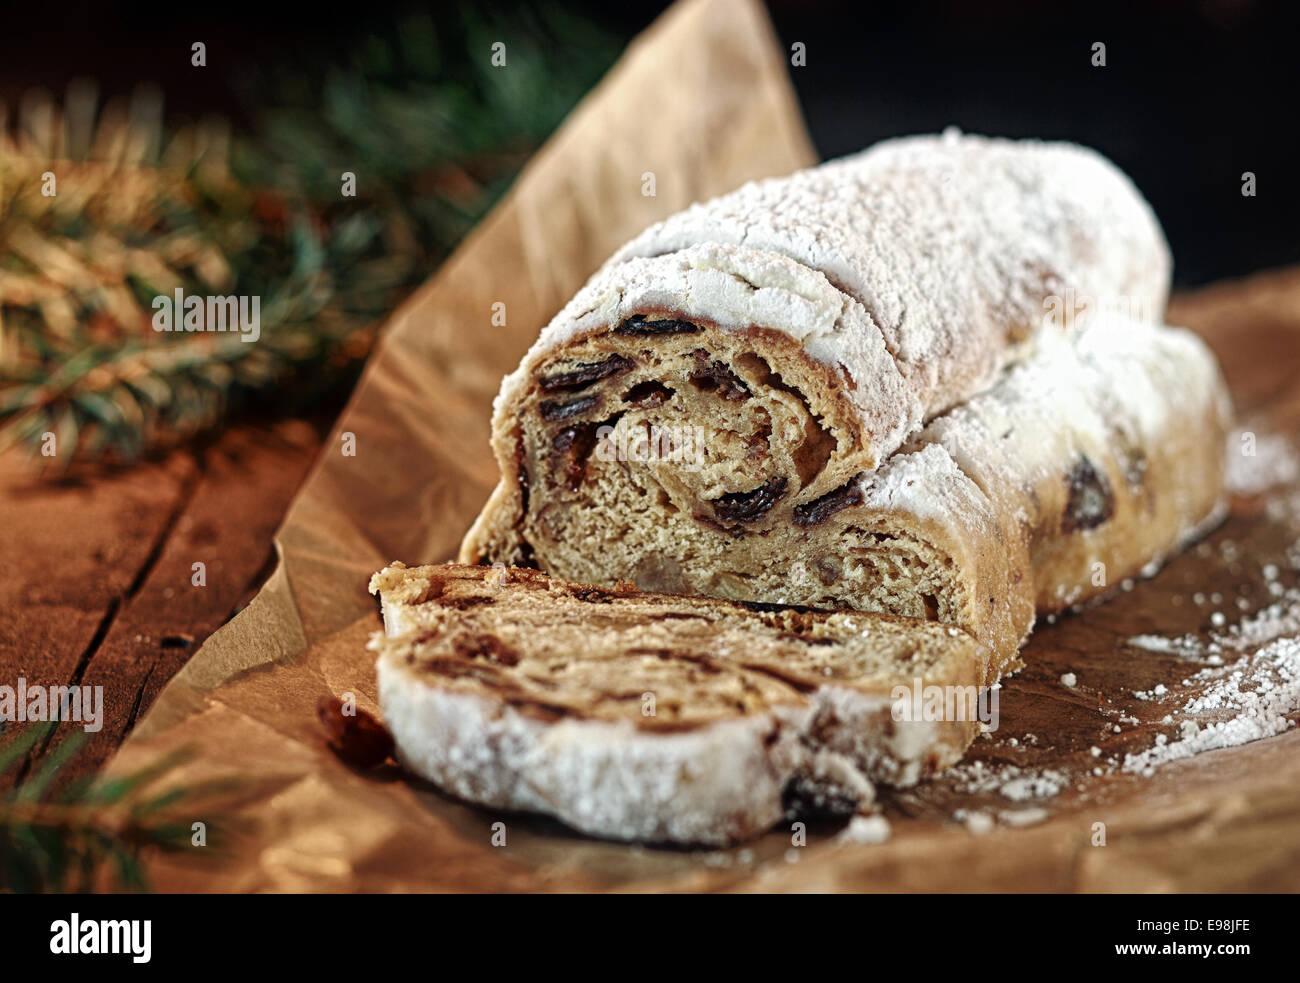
x=659, y=718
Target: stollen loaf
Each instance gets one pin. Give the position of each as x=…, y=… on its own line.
x=854, y=388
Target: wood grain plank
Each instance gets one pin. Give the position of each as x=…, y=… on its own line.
x=98, y=583
x=72, y=552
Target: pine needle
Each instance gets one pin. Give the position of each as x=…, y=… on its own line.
x=433, y=134
x=94, y=827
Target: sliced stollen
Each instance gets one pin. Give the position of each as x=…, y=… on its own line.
x=869, y=386
x=639, y=716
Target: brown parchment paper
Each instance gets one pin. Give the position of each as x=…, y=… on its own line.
x=702, y=101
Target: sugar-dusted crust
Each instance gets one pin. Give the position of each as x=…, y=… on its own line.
x=949, y=242
x=514, y=690
x=1099, y=454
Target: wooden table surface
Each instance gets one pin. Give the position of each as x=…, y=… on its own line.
x=96, y=581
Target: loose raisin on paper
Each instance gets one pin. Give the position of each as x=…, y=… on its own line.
x=359, y=739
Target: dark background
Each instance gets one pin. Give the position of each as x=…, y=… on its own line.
x=1193, y=93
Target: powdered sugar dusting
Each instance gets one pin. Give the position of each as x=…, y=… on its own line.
x=1280, y=619
x=946, y=240
x=1257, y=693
x=1022, y=817
x=866, y=829
x=1041, y=786
x=1187, y=646
x=1010, y=781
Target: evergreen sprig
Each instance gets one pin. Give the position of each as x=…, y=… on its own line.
x=433, y=132
x=90, y=832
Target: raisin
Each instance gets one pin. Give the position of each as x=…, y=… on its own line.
x=751, y=505
x=585, y=374
x=466, y=603
x=555, y=410
x=357, y=738
x=788, y=637
x=570, y=449
x=829, y=569
x=648, y=395
x=639, y=324
x=804, y=797
x=591, y=595
x=487, y=647
x=715, y=377
x=819, y=510
x=1091, y=501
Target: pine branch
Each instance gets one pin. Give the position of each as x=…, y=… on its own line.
x=95, y=828
x=433, y=134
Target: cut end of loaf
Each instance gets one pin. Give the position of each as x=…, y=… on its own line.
x=693, y=459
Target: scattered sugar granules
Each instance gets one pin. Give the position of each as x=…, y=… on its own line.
x=866, y=829
x=1185, y=646
x=1150, y=694
x=1069, y=679
x=1034, y=786
x=1279, y=620
x=1259, y=691
x=977, y=823
x=1022, y=817
x=1009, y=781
